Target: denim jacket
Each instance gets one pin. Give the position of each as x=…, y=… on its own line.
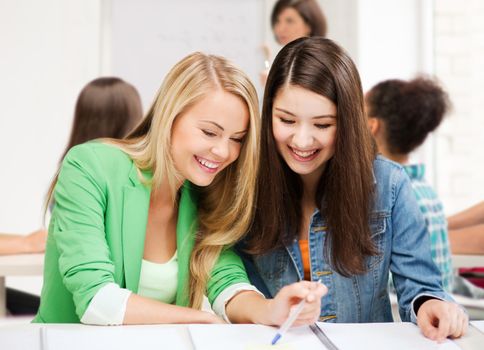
x=400, y=234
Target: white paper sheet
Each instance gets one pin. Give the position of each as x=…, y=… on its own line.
x=80, y=337
x=381, y=336
x=251, y=337
x=479, y=325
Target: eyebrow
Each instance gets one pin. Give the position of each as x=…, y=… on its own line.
x=220, y=126
x=316, y=117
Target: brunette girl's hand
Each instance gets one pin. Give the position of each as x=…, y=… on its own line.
x=289, y=296
x=440, y=319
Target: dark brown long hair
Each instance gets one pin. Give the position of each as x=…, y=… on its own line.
x=345, y=190
x=107, y=107
x=310, y=12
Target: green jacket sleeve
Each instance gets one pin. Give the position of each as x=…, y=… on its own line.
x=79, y=227
x=228, y=270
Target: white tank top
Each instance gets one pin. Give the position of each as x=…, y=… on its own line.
x=159, y=281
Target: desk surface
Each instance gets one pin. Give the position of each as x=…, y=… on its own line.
x=76, y=337
x=21, y=265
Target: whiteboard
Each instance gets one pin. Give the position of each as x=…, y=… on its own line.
x=147, y=37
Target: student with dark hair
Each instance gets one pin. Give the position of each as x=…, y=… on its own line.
x=330, y=209
x=106, y=107
x=401, y=114
x=293, y=19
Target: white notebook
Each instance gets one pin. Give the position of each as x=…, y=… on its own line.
x=479, y=325
x=251, y=337
x=381, y=336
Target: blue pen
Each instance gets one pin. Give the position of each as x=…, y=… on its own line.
x=290, y=320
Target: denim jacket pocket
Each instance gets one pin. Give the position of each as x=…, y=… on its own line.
x=378, y=224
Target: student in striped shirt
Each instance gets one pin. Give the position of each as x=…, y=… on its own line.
x=401, y=114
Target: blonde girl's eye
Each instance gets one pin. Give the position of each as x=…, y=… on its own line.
x=237, y=139
x=209, y=133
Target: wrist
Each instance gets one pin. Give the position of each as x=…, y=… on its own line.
x=26, y=245
x=266, y=316
x=420, y=301
x=20, y=245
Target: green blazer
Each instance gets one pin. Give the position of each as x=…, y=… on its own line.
x=97, y=231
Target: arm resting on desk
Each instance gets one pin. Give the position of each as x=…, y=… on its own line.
x=20, y=244
x=469, y=217
x=468, y=240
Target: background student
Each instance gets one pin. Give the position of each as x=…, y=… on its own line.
x=401, y=114
x=141, y=228
x=328, y=208
x=293, y=19
x=105, y=107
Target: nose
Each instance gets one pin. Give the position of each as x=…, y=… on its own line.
x=221, y=149
x=302, y=138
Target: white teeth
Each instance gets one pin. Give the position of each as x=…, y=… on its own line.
x=304, y=154
x=207, y=163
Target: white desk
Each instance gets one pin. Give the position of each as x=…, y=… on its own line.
x=213, y=337
x=18, y=265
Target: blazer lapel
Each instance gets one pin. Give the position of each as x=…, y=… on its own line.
x=185, y=238
x=136, y=203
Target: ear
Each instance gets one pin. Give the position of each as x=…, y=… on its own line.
x=307, y=28
x=374, y=125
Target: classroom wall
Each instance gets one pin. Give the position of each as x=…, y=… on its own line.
x=459, y=53
x=50, y=49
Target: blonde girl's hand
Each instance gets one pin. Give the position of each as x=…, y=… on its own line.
x=289, y=296
x=213, y=319
x=440, y=319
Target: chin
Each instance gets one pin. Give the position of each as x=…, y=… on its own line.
x=200, y=181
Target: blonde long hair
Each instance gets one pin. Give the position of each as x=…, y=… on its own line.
x=225, y=206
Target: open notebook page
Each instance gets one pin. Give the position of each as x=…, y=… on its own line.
x=381, y=336
x=479, y=325
x=251, y=337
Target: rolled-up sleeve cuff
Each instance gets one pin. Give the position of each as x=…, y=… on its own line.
x=227, y=294
x=107, y=307
x=413, y=315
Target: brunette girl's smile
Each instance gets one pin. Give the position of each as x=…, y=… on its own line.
x=304, y=156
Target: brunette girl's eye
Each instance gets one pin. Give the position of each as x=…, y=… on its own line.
x=322, y=126
x=286, y=121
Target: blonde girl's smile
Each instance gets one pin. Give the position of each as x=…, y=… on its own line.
x=208, y=165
